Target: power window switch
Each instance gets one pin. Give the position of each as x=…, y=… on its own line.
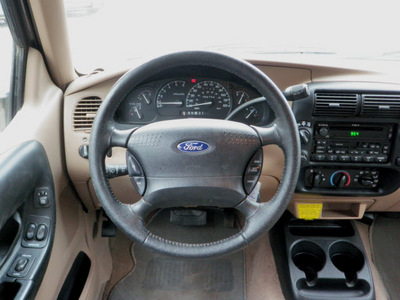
x=30, y=231
x=41, y=233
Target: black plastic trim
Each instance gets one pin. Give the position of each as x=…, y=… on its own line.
x=18, y=79
x=20, y=22
x=318, y=275
x=24, y=33
x=76, y=279
x=303, y=111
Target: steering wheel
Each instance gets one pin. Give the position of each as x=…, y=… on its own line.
x=213, y=171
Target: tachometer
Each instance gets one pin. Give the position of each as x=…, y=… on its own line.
x=211, y=97
x=171, y=98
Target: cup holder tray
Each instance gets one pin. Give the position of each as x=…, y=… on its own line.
x=328, y=267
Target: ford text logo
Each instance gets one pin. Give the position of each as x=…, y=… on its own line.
x=193, y=146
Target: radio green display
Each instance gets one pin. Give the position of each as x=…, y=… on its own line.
x=354, y=133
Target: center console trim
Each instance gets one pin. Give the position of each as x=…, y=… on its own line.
x=385, y=155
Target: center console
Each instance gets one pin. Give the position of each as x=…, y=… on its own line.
x=349, y=135
x=321, y=260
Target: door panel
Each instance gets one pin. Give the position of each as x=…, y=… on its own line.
x=40, y=119
x=31, y=166
x=27, y=219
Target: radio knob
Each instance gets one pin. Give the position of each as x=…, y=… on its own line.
x=304, y=136
x=366, y=180
x=340, y=179
x=323, y=131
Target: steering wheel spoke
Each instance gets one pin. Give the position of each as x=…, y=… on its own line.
x=270, y=135
x=141, y=208
x=248, y=207
x=120, y=138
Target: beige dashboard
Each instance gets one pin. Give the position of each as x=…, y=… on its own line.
x=92, y=89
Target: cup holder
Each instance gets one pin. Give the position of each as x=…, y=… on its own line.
x=348, y=259
x=309, y=258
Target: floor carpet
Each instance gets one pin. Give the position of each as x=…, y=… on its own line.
x=386, y=251
x=157, y=276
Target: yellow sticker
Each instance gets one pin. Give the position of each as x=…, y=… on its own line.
x=309, y=211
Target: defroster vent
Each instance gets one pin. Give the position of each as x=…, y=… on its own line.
x=335, y=104
x=85, y=112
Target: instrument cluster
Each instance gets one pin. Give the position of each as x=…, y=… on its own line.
x=191, y=98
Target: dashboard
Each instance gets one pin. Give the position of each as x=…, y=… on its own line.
x=348, y=126
x=192, y=96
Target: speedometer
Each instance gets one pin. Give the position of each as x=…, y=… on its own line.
x=210, y=97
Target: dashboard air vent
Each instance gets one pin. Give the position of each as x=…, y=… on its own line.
x=335, y=104
x=84, y=114
x=383, y=106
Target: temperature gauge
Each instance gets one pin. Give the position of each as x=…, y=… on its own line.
x=251, y=113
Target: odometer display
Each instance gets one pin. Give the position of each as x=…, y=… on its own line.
x=210, y=97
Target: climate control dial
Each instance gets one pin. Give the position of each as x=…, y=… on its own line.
x=331, y=179
x=340, y=179
x=366, y=180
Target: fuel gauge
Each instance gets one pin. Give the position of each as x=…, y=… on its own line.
x=241, y=97
x=135, y=111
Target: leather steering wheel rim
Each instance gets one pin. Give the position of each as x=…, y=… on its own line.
x=260, y=217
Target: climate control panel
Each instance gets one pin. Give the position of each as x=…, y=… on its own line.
x=342, y=178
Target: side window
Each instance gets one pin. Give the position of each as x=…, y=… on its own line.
x=6, y=63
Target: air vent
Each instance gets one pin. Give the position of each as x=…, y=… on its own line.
x=335, y=104
x=84, y=114
x=381, y=106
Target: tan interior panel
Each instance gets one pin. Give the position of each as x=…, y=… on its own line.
x=332, y=207
x=75, y=233
x=285, y=77
x=380, y=290
x=54, y=39
x=40, y=119
x=389, y=202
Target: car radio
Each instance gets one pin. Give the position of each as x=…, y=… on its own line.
x=352, y=142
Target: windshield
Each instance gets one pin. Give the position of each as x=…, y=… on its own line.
x=113, y=33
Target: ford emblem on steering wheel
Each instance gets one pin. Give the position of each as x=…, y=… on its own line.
x=193, y=146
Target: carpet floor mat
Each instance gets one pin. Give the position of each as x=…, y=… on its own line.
x=157, y=276
x=386, y=252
